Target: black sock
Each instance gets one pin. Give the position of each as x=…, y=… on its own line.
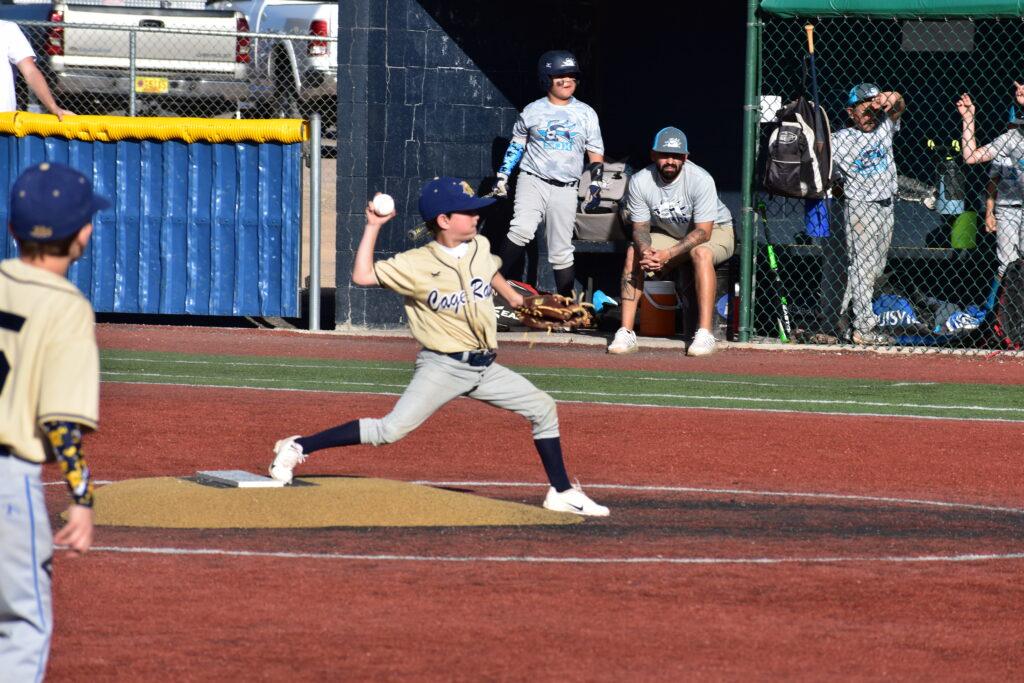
x=342, y=435
x=511, y=260
x=565, y=281
x=551, y=456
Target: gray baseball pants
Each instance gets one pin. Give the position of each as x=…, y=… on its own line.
x=26, y=548
x=537, y=201
x=1009, y=235
x=868, y=227
x=438, y=379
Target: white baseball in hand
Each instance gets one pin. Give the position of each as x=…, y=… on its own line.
x=383, y=205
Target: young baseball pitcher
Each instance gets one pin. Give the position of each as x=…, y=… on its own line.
x=448, y=287
x=550, y=137
x=49, y=395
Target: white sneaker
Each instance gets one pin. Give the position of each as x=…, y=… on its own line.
x=287, y=454
x=624, y=342
x=703, y=344
x=574, y=501
x=872, y=338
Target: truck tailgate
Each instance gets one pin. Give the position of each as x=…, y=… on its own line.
x=97, y=47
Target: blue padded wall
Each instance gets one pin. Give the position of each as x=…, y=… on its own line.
x=204, y=229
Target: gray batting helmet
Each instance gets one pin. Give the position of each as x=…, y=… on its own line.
x=556, y=63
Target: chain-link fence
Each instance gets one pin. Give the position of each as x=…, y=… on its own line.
x=916, y=237
x=194, y=63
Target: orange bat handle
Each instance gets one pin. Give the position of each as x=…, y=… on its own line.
x=810, y=37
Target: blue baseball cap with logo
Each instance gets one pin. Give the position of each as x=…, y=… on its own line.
x=670, y=141
x=51, y=202
x=861, y=93
x=448, y=195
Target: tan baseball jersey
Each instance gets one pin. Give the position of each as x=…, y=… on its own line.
x=449, y=301
x=49, y=368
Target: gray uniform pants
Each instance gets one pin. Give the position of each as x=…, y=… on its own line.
x=868, y=230
x=438, y=379
x=537, y=201
x=26, y=548
x=1009, y=235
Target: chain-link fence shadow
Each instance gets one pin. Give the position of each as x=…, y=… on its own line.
x=915, y=237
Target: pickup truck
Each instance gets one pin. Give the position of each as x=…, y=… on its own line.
x=86, y=53
x=292, y=77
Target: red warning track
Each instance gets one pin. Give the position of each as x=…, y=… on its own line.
x=132, y=616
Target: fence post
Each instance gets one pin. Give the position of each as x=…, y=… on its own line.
x=131, y=73
x=751, y=116
x=314, y=223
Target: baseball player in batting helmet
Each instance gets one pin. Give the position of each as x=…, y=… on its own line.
x=49, y=395
x=550, y=138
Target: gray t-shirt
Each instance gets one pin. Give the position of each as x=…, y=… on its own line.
x=556, y=138
x=1007, y=174
x=1009, y=144
x=674, y=207
x=865, y=161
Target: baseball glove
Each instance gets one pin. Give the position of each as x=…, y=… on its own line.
x=554, y=312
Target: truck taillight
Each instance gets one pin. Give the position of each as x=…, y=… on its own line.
x=318, y=48
x=242, y=43
x=55, y=35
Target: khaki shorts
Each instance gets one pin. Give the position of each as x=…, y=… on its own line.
x=722, y=243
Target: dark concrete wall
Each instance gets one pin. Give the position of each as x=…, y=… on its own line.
x=432, y=88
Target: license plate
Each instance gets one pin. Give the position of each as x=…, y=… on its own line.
x=151, y=85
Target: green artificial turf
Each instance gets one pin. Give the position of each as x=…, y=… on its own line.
x=626, y=387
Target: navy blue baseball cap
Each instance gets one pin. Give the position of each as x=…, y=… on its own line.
x=671, y=141
x=51, y=202
x=445, y=195
x=862, y=92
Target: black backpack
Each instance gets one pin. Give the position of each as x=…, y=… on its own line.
x=799, y=155
x=1009, y=325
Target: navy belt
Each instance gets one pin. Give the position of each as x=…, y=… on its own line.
x=477, y=359
x=883, y=202
x=556, y=183
x=5, y=451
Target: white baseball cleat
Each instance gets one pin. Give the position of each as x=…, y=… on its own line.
x=703, y=344
x=624, y=342
x=287, y=454
x=575, y=501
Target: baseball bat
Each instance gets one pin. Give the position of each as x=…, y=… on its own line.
x=782, y=322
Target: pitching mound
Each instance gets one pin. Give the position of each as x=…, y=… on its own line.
x=173, y=503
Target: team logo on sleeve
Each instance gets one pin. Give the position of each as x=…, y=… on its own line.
x=558, y=135
x=456, y=301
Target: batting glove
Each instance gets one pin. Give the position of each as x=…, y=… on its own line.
x=593, y=199
x=500, y=187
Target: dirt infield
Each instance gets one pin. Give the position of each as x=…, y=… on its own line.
x=742, y=545
x=853, y=364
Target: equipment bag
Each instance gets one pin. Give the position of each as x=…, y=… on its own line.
x=604, y=223
x=799, y=155
x=1009, y=325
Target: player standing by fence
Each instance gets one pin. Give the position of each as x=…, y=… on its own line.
x=551, y=137
x=49, y=394
x=863, y=157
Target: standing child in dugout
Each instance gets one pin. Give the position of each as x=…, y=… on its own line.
x=551, y=137
x=1004, y=214
x=448, y=287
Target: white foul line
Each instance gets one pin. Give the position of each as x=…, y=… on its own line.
x=539, y=559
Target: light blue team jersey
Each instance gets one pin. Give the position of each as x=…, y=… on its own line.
x=674, y=207
x=1007, y=174
x=556, y=138
x=866, y=162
